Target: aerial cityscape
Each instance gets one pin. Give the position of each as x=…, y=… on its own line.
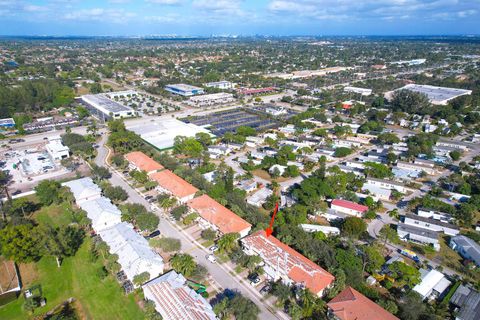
x=201, y=160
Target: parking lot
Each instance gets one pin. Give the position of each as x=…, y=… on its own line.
x=28, y=165
x=229, y=120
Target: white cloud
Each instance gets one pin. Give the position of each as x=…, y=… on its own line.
x=371, y=9
x=166, y=2
x=100, y=15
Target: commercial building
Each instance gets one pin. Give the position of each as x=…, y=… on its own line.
x=174, y=300
x=348, y=207
x=172, y=184
x=185, y=90
x=7, y=124
x=138, y=160
x=362, y=91
x=352, y=305
x=249, y=92
x=467, y=248
x=408, y=232
x=431, y=224
x=215, y=216
x=161, y=132
x=51, y=123
x=104, y=108
x=56, y=149
x=466, y=302
x=276, y=111
x=220, y=85
x=433, y=284
x=284, y=263
x=134, y=254
x=83, y=190
x=436, y=95
x=211, y=99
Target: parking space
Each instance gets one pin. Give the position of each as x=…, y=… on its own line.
x=229, y=120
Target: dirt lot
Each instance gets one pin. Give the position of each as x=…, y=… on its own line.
x=8, y=276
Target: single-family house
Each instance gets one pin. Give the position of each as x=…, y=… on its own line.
x=348, y=207
x=433, y=284
x=258, y=198
x=466, y=303
x=431, y=224
x=327, y=230
x=412, y=233
x=352, y=305
x=467, y=248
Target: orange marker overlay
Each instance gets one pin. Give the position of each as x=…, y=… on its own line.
x=269, y=230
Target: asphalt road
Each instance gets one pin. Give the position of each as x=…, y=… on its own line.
x=222, y=277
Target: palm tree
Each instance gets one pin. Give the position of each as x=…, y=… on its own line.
x=228, y=242
x=93, y=129
x=183, y=263
x=4, y=181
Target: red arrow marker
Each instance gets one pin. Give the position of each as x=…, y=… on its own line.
x=269, y=230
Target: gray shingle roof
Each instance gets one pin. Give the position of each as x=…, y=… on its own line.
x=468, y=301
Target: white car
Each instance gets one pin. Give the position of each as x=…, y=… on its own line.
x=213, y=248
x=211, y=258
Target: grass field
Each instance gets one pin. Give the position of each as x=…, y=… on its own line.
x=77, y=277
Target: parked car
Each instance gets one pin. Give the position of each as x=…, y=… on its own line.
x=154, y=234
x=213, y=248
x=254, y=279
x=266, y=289
x=211, y=258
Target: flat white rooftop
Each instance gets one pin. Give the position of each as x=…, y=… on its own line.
x=161, y=132
x=437, y=95
x=183, y=87
x=104, y=104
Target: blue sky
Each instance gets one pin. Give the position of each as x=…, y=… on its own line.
x=244, y=17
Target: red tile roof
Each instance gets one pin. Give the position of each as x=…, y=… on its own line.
x=352, y=305
x=143, y=162
x=289, y=262
x=168, y=180
x=212, y=211
x=349, y=205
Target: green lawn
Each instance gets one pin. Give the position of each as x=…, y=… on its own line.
x=96, y=299
x=77, y=278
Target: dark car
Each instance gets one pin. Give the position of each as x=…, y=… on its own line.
x=154, y=234
x=266, y=289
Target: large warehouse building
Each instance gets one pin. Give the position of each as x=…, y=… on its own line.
x=162, y=132
x=185, y=90
x=436, y=95
x=104, y=108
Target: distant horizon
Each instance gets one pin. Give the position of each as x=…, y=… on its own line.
x=133, y=36
x=242, y=17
